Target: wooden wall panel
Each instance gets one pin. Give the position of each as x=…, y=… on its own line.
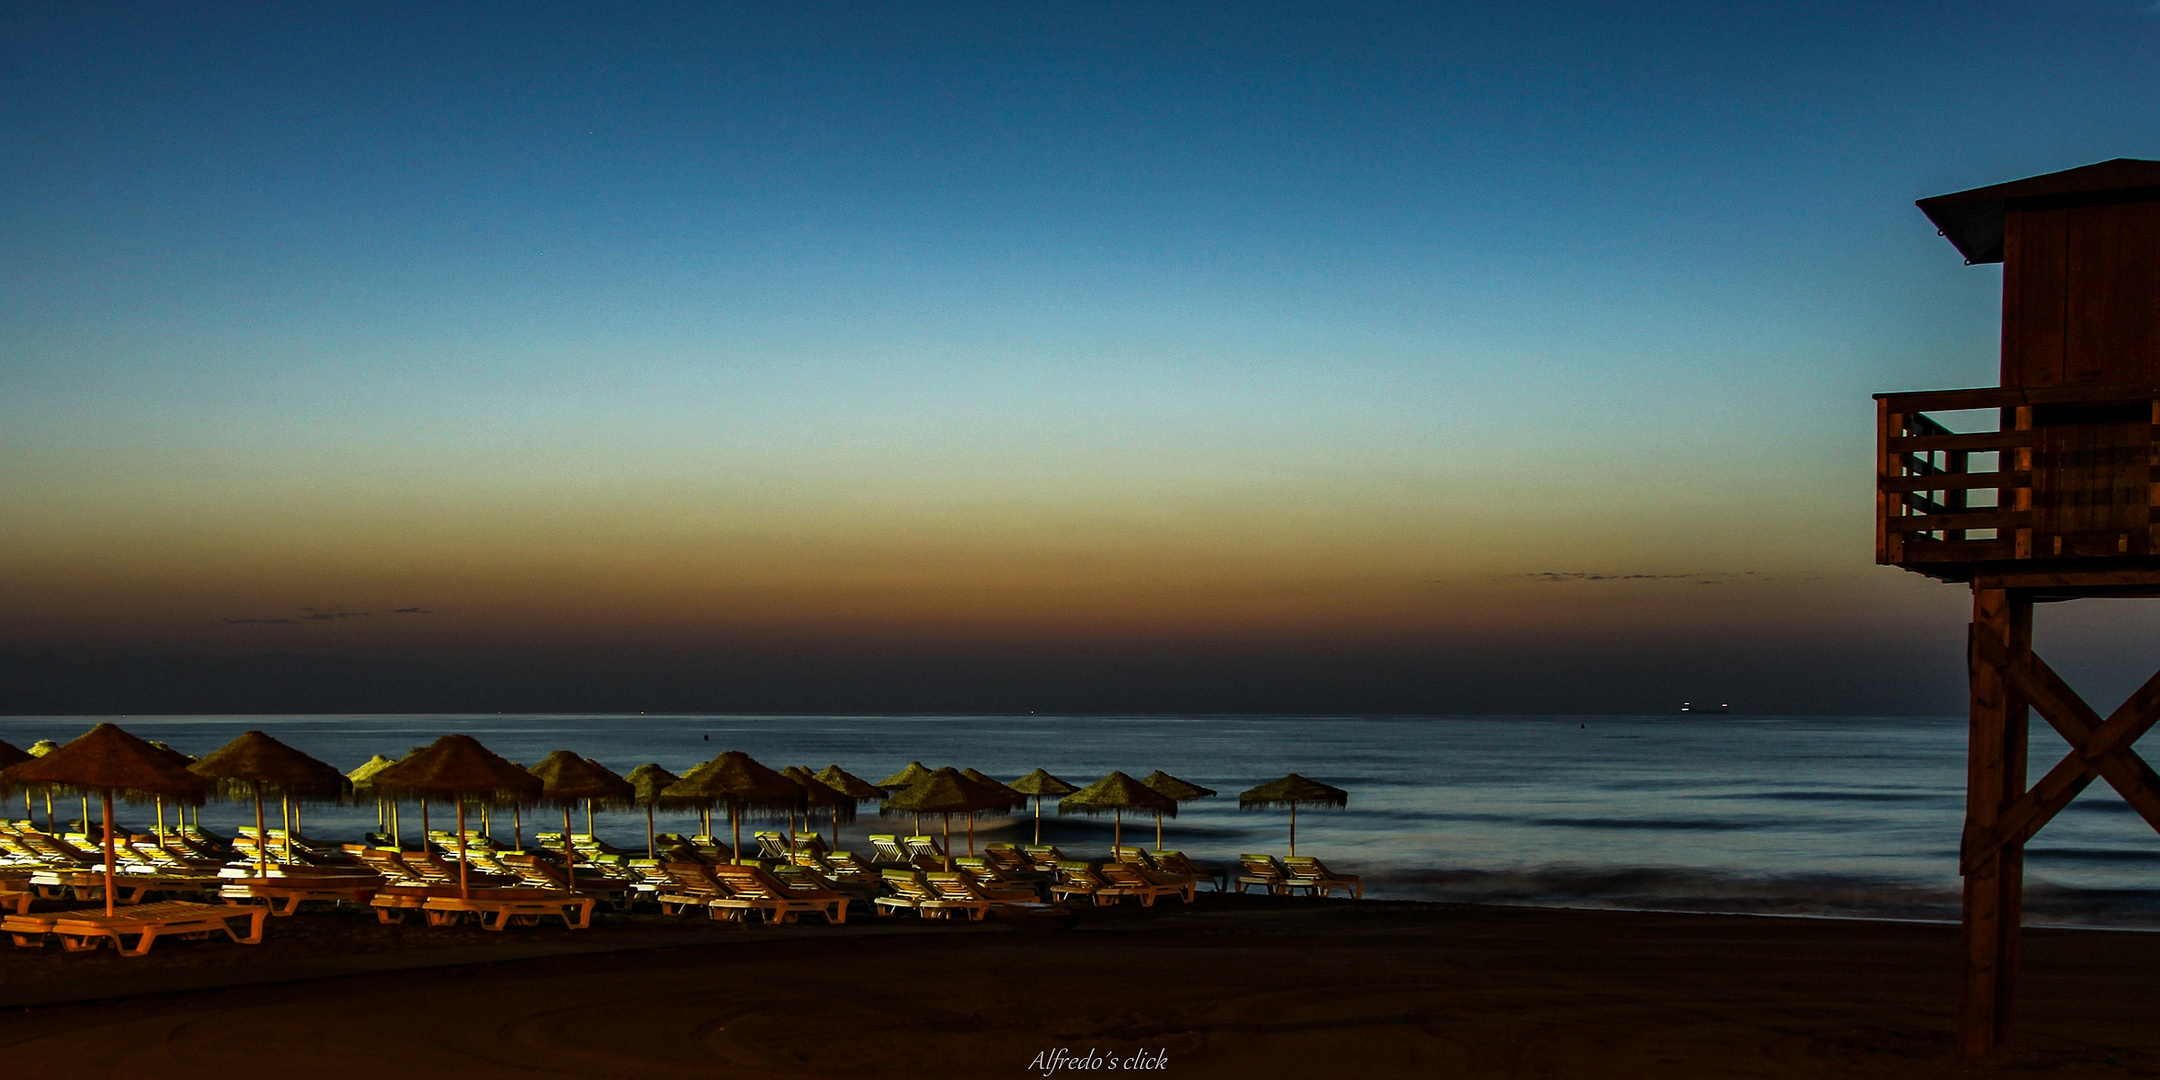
x=2112, y=314
x=2033, y=300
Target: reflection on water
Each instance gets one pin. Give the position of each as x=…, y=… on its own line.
x=1807, y=815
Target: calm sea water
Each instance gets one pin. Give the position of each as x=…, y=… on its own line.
x=1792, y=815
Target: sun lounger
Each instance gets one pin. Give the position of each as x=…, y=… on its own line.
x=692, y=885
x=960, y=891
x=888, y=850
x=923, y=848
x=987, y=875
x=1175, y=862
x=494, y=908
x=533, y=872
x=1306, y=870
x=912, y=891
x=16, y=894
x=846, y=866
x=79, y=931
x=772, y=845
x=1045, y=857
x=780, y=903
x=283, y=895
x=1130, y=880
x=88, y=886
x=1007, y=857
x=1076, y=878
x=1263, y=871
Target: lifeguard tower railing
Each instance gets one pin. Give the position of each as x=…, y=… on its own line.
x=2064, y=473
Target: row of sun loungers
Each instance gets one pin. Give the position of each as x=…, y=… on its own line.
x=1285, y=876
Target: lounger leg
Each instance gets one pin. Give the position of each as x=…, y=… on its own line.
x=255, y=928
x=29, y=941
x=142, y=944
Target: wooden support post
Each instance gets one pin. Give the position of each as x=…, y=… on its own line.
x=1994, y=779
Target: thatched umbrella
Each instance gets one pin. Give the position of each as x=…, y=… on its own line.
x=817, y=793
x=646, y=783
x=1292, y=791
x=567, y=779
x=245, y=766
x=738, y=781
x=106, y=759
x=9, y=755
x=1114, y=794
x=947, y=792
x=457, y=765
x=1039, y=784
x=914, y=774
x=363, y=782
x=1177, y=789
x=855, y=788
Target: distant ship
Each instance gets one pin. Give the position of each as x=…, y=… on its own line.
x=1689, y=707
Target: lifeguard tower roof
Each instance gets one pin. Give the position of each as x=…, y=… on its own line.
x=1973, y=220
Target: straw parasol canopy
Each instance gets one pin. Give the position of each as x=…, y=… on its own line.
x=254, y=761
x=817, y=793
x=946, y=792
x=1039, y=784
x=106, y=759
x=1114, y=794
x=851, y=787
x=42, y=747
x=567, y=780
x=458, y=766
x=914, y=774
x=363, y=778
x=1013, y=798
x=736, y=780
x=646, y=783
x=1292, y=791
x=242, y=768
x=9, y=755
x=1181, y=790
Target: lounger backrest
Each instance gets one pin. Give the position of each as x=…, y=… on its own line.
x=888, y=849
x=749, y=882
x=1260, y=866
x=925, y=845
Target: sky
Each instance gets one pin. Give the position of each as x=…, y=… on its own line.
x=1314, y=358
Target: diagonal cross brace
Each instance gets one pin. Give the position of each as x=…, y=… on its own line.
x=2097, y=749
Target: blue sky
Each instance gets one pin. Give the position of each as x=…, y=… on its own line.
x=538, y=312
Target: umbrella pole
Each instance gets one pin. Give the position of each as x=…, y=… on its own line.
x=49, y=830
x=734, y=817
x=395, y=843
x=651, y=847
x=1158, y=830
x=588, y=819
x=948, y=842
x=1038, y=821
x=161, y=820
x=836, y=827
x=1293, y=830
x=464, y=888
x=487, y=823
x=569, y=852
x=107, y=792
x=971, y=835
x=517, y=827
x=423, y=825
x=262, y=840
x=1117, y=830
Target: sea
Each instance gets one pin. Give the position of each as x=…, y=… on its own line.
x=1851, y=817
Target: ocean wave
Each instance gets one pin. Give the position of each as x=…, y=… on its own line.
x=1689, y=890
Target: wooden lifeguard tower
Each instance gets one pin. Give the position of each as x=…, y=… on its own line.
x=2057, y=498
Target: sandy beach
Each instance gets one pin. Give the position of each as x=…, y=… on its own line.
x=1237, y=987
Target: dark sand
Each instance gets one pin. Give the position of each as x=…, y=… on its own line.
x=1248, y=988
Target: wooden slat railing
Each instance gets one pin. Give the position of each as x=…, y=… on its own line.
x=1924, y=480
